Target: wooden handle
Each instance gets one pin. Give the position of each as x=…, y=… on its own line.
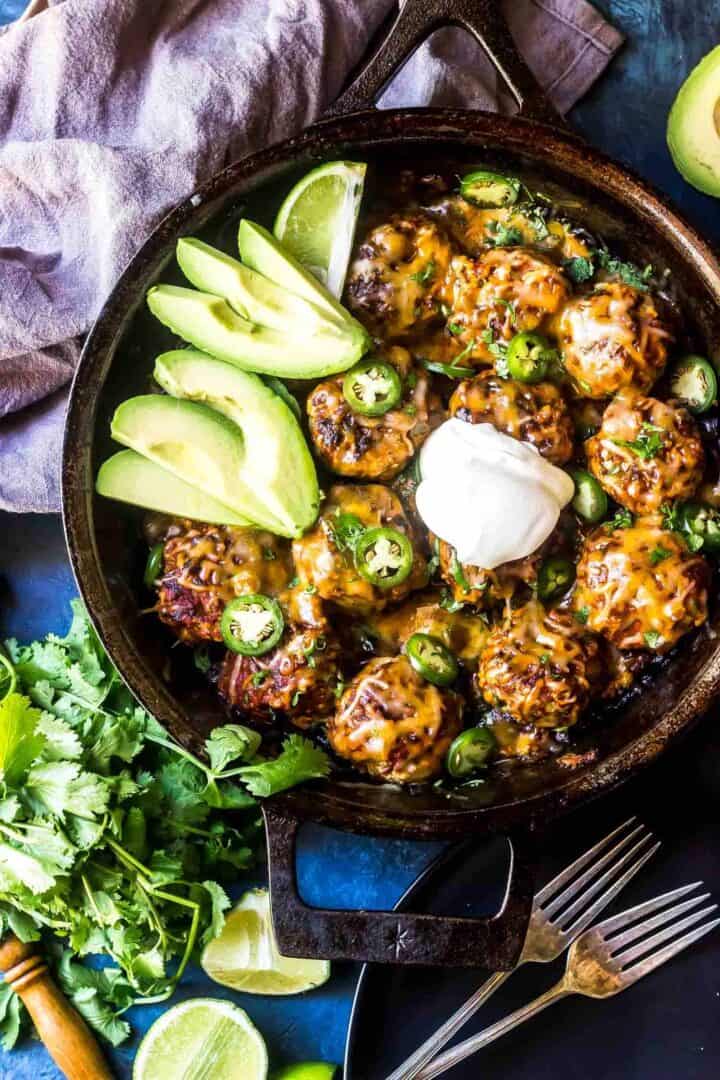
x=67, y=1037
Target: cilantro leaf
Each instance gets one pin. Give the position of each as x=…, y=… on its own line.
x=623, y=519
x=20, y=742
x=229, y=742
x=648, y=444
x=299, y=760
x=579, y=268
x=628, y=272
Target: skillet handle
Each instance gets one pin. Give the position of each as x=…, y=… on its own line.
x=417, y=20
x=394, y=937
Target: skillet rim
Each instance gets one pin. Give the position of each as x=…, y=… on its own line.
x=328, y=802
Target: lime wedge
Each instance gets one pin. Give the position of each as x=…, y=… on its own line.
x=200, y=1039
x=316, y=223
x=245, y=956
x=308, y=1070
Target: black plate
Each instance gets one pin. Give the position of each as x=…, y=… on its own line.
x=665, y=1028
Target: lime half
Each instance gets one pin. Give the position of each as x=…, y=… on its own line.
x=245, y=956
x=201, y=1040
x=316, y=223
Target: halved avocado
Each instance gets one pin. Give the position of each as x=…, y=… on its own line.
x=210, y=324
x=280, y=462
x=131, y=478
x=693, y=133
x=199, y=446
x=248, y=293
x=260, y=250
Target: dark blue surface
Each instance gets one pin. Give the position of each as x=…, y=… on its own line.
x=625, y=115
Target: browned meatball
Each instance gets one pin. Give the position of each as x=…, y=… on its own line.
x=324, y=558
x=373, y=447
x=613, y=337
x=298, y=679
x=397, y=280
x=540, y=667
x=640, y=587
x=482, y=588
x=492, y=298
x=534, y=414
x=460, y=631
x=647, y=452
x=206, y=566
x=393, y=724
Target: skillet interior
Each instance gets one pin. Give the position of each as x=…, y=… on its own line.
x=102, y=536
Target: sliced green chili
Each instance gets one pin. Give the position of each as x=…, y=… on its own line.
x=590, y=501
x=372, y=388
x=384, y=557
x=469, y=751
x=431, y=659
x=694, y=382
x=555, y=577
x=529, y=357
x=252, y=624
x=490, y=189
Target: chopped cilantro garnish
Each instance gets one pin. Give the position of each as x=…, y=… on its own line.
x=582, y=615
x=448, y=602
x=456, y=568
x=269, y=554
x=648, y=444
x=658, y=555
x=652, y=639
x=259, y=677
x=503, y=235
x=628, y=272
x=424, y=276
x=579, y=268
x=455, y=328
x=623, y=519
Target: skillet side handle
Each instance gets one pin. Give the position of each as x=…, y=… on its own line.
x=417, y=20
x=391, y=937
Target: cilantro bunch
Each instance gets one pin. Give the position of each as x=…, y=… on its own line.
x=113, y=838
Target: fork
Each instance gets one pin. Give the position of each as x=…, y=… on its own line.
x=600, y=965
x=553, y=924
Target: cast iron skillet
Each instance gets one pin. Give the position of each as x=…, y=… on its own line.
x=103, y=537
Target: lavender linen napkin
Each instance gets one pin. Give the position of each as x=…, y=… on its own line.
x=111, y=111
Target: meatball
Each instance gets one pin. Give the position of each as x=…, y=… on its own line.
x=534, y=414
x=297, y=680
x=505, y=291
x=463, y=633
x=540, y=667
x=397, y=280
x=206, y=566
x=613, y=337
x=647, y=452
x=640, y=587
x=372, y=447
x=393, y=724
x=324, y=555
x=482, y=588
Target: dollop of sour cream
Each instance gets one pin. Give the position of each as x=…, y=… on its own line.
x=492, y=497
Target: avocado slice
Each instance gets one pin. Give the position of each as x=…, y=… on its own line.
x=131, y=478
x=248, y=293
x=210, y=324
x=199, y=446
x=282, y=468
x=260, y=250
x=693, y=132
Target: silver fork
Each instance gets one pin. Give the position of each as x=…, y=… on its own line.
x=557, y=918
x=600, y=965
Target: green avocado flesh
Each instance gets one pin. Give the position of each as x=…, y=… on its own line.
x=131, y=478
x=260, y=250
x=694, y=126
x=249, y=294
x=210, y=324
x=279, y=462
x=199, y=446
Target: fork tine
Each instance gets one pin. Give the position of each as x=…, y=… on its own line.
x=569, y=872
x=618, y=922
x=571, y=932
x=665, y=934
x=644, y=967
x=620, y=940
x=577, y=886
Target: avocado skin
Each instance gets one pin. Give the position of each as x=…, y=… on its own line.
x=131, y=478
x=692, y=135
x=197, y=445
x=260, y=250
x=210, y=324
x=251, y=295
x=281, y=466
